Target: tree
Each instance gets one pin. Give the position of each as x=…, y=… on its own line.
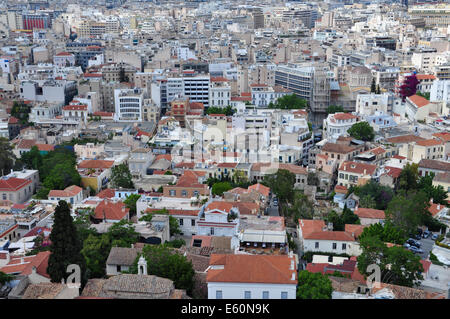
x=408, y=177
x=130, y=202
x=349, y=217
x=373, y=86
x=301, y=207
x=123, y=234
x=336, y=220
x=381, y=194
x=66, y=246
x=437, y=193
x=398, y=265
x=289, y=101
x=62, y=176
x=228, y=111
x=409, y=86
x=405, y=267
x=313, y=286
x=424, y=95
x=164, y=262
x=408, y=210
x=221, y=187
x=174, y=226
x=378, y=89
x=83, y=227
x=95, y=251
x=313, y=179
x=7, y=157
x=282, y=184
x=335, y=109
x=168, y=173
x=121, y=177
x=362, y=131
x=387, y=233
x=367, y=202
x=32, y=159
x=4, y=278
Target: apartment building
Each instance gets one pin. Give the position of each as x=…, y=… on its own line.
x=337, y=124
x=252, y=277
x=263, y=95
x=128, y=104
x=219, y=92
x=355, y=174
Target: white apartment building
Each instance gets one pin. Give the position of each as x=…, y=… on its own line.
x=259, y=277
x=369, y=104
x=337, y=124
x=440, y=92
x=128, y=104
x=263, y=95
x=53, y=91
x=219, y=92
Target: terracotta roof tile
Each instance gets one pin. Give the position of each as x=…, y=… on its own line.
x=267, y=269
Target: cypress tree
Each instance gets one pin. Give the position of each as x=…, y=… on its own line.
x=378, y=89
x=372, y=86
x=66, y=246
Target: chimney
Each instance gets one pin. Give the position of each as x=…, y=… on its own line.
x=33, y=270
x=132, y=245
x=292, y=265
x=22, y=260
x=293, y=276
x=365, y=171
x=439, y=206
x=431, y=201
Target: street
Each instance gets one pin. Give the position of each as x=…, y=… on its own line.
x=272, y=210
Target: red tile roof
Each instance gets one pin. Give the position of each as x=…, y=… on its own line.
x=96, y=164
x=45, y=147
x=355, y=230
x=107, y=193
x=260, y=188
x=268, y=269
x=218, y=205
x=444, y=136
x=68, y=192
x=358, y=168
x=370, y=213
x=430, y=142
x=26, y=144
x=421, y=77
x=110, y=210
x=13, y=184
x=341, y=189
x=434, y=209
x=344, y=116
x=40, y=261
x=75, y=108
x=404, y=139
x=330, y=235
x=419, y=101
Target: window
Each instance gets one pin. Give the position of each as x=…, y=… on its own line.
x=218, y=294
x=334, y=245
x=173, y=192
x=184, y=193
x=247, y=295
x=192, y=222
x=119, y=268
x=212, y=230
x=265, y=295
x=181, y=221
x=317, y=244
x=344, y=246
x=284, y=295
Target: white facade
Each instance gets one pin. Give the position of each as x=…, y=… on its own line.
x=337, y=124
x=368, y=104
x=219, y=94
x=128, y=104
x=227, y=290
x=342, y=247
x=440, y=92
x=262, y=96
x=215, y=223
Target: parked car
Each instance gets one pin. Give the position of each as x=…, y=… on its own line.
x=416, y=250
x=426, y=234
x=414, y=242
x=434, y=236
x=406, y=245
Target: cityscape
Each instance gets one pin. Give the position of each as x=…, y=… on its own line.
x=206, y=150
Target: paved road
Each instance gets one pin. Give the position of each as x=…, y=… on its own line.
x=272, y=210
x=427, y=246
